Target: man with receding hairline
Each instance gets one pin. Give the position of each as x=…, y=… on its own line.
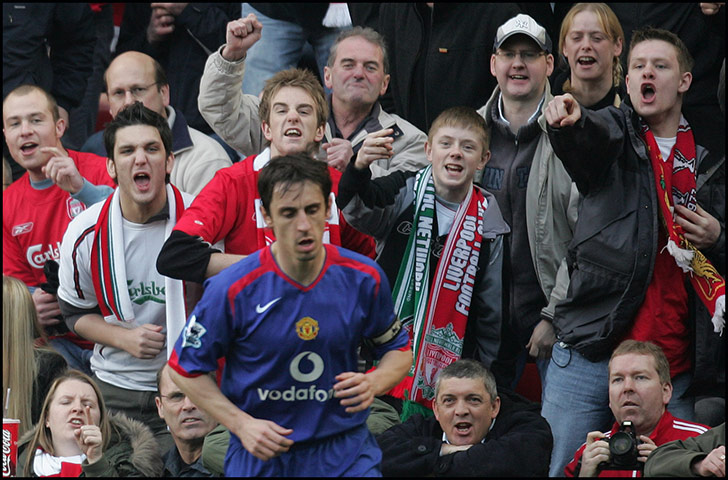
x=135, y=76
x=58, y=185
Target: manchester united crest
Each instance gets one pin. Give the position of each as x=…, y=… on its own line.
x=307, y=328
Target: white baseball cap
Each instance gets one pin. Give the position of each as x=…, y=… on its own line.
x=524, y=25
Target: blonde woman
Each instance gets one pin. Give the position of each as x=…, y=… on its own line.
x=76, y=436
x=591, y=41
x=27, y=376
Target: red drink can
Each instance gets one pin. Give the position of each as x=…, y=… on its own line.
x=10, y=446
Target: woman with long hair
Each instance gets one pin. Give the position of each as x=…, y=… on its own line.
x=29, y=366
x=591, y=41
x=76, y=436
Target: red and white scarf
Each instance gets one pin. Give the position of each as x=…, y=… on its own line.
x=436, y=313
x=47, y=465
x=108, y=269
x=675, y=182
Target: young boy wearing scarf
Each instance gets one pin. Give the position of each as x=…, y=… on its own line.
x=439, y=240
x=641, y=239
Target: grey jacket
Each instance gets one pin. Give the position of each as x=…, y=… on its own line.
x=234, y=116
x=675, y=459
x=551, y=212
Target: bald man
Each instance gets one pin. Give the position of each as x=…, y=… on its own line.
x=135, y=76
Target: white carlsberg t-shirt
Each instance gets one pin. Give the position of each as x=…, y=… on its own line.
x=142, y=244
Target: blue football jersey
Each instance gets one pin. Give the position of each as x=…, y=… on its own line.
x=284, y=343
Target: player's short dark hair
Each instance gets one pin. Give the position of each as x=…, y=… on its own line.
x=288, y=170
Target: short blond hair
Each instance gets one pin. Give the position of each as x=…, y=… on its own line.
x=28, y=89
x=645, y=348
x=461, y=117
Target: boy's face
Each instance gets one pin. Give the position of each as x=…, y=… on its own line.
x=455, y=153
x=29, y=126
x=294, y=124
x=654, y=82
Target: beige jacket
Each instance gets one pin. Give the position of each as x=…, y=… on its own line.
x=234, y=116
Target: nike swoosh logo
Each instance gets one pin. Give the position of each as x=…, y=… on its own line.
x=265, y=307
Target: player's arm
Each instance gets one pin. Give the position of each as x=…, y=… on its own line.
x=262, y=438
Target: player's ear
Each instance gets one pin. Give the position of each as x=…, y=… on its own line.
x=265, y=216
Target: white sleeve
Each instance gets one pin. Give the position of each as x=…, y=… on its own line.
x=74, y=274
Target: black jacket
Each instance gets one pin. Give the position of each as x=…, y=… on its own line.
x=30, y=30
x=613, y=251
x=451, y=67
x=199, y=31
x=413, y=447
x=709, y=347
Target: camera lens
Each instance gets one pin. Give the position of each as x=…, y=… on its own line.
x=621, y=443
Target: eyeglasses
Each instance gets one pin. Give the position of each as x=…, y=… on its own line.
x=136, y=92
x=176, y=397
x=527, y=56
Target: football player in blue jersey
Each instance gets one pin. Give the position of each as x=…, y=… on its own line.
x=288, y=320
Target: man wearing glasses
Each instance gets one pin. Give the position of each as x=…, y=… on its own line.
x=188, y=426
x=534, y=192
x=135, y=76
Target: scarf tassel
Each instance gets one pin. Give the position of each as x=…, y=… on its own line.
x=719, y=316
x=683, y=257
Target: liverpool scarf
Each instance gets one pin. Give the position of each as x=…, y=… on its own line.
x=435, y=312
x=332, y=233
x=108, y=269
x=675, y=182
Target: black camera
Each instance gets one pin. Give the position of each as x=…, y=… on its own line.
x=623, y=450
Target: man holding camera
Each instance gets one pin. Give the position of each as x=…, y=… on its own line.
x=639, y=390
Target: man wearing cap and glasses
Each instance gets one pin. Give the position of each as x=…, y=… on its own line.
x=534, y=191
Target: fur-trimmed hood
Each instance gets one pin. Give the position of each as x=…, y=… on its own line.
x=132, y=447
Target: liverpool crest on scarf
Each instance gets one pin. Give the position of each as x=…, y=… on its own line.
x=675, y=182
x=435, y=312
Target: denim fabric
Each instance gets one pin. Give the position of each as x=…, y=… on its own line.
x=575, y=402
x=281, y=46
x=77, y=357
